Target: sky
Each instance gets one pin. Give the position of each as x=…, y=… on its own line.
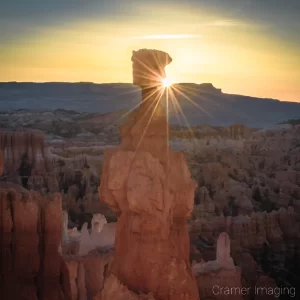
x=249, y=47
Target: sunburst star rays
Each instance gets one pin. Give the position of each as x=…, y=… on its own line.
x=160, y=92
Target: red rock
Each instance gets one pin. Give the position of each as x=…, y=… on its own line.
x=94, y=267
x=52, y=229
x=114, y=289
x=30, y=234
x=14, y=144
x=150, y=188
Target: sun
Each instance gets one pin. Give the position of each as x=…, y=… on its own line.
x=166, y=82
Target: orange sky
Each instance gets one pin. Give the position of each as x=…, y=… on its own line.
x=236, y=56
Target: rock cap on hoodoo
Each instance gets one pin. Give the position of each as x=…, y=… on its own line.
x=151, y=57
x=149, y=66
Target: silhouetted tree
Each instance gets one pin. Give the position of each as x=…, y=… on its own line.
x=261, y=165
x=256, y=195
x=25, y=170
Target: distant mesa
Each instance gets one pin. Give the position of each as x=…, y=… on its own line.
x=207, y=105
x=209, y=87
x=205, y=87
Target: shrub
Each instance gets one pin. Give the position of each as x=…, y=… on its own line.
x=256, y=195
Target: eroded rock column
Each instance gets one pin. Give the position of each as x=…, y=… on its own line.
x=150, y=188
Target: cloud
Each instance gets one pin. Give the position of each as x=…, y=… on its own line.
x=168, y=36
x=225, y=23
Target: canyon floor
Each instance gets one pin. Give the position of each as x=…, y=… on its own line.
x=248, y=185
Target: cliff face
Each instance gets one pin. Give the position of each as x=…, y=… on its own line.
x=30, y=231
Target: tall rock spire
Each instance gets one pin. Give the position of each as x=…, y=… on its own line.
x=150, y=188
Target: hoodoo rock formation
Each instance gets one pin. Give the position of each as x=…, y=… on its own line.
x=25, y=158
x=30, y=230
x=16, y=144
x=30, y=234
x=150, y=188
x=213, y=276
x=223, y=258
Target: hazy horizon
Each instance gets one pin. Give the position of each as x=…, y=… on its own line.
x=197, y=83
x=243, y=47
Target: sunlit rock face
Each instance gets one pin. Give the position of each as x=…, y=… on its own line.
x=150, y=188
x=30, y=235
x=30, y=231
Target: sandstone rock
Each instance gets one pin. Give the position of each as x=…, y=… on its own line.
x=223, y=251
x=114, y=289
x=150, y=188
x=205, y=206
x=73, y=274
x=81, y=282
x=30, y=233
x=223, y=259
x=15, y=144
x=96, y=267
x=86, y=274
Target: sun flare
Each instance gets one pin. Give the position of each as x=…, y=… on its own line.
x=167, y=82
